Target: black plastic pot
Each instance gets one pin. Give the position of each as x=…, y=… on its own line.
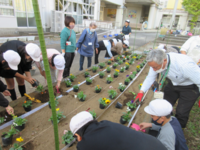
x=36, y=83
x=138, y=70
x=88, y=83
x=100, y=76
x=108, y=71
x=68, y=144
x=109, y=63
x=136, y=58
x=27, y=108
x=126, y=83
x=102, y=106
x=111, y=97
x=75, y=90
x=94, y=71
x=86, y=76
x=115, y=76
x=124, y=60
x=130, y=78
x=114, y=67
x=97, y=91
x=82, y=100
x=68, y=85
x=100, y=67
x=121, y=71
x=121, y=90
x=71, y=80
x=122, y=121
x=6, y=141
x=127, y=58
x=132, y=109
x=126, y=68
x=20, y=128
x=118, y=105
x=108, y=82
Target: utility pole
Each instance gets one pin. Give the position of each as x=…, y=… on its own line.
x=174, y=13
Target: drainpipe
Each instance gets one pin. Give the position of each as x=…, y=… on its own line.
x=174, y=13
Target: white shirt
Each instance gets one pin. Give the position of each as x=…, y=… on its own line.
x=183, y=71
x=192, y=48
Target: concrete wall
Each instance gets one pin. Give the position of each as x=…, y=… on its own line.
x=170, y=4
x=8, y=22
x=116, y=2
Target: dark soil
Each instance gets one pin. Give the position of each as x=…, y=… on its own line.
x=43, y=97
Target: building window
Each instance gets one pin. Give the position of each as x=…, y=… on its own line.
x=6, y=3
x=75, y=7
x=6, y=8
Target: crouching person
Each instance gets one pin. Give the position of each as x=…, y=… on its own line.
x=106, y=135
x=170, y=131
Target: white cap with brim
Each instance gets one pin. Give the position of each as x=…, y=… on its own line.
x=12, y=58
x=159, y=107
x=126, y=42
x=59, y=62
x=33, y=51
x=79, y=121
x=127, y=21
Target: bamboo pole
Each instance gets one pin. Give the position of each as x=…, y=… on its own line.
x=47, y=69
x=135, y=34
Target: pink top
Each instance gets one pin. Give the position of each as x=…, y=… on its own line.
x=50, y=53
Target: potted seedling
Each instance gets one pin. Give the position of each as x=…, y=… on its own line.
x=120, y=56
x=127, y=57
x=121, y=87
x=81, y=96
x=140, y=85
x=102, y=65
x=94, y=115
x=116, y=73
x=1, y=120
x=56, y=102
x=125, y=117
x=98, y=89
x=95, y=68
x=109, y=62
x=127, y=66
x=68, y=83
x=138, y=69
x=101, y=74
x=112, y=94
x=132, y=76
x=115, y=65
x=117, y=59
x=134, y=73
x=126, y=81
x=122, y=69
x=124, y=59
x=141, y=65
x=120, y=62
x=27, y=105
x=86, y=74
x=130, y=62
x=19, y=123
x=17, y=146
x=131, y=105
x=108, y=69
x=103, y=102
x=59, y=116
x=40, y=89
x=88, y=81
x=109, y=79
x=67, y=138
x=75, y=88
x=7, y=136
x=72, y=77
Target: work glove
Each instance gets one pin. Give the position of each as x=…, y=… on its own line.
x=139, y=96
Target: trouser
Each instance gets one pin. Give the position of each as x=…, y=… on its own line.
x=69, y=57
x=101, y=48
x=187, y=96
x=22, y=90
x=82, y=61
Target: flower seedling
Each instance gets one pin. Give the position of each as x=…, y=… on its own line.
x=116, y=73
x=131, y=105
x=140, y=85
x=120, y=56
x=115, y=65
x=117, y=59
x=138, y=69
x=1, y=120
x=121, y=87
x=75, y=88
x=17, y=121
x=127, y=65
x=59, y=116
x=67, y=138
x=132, y=76
x=94, y=115
x=88, y=80
x=109, y=62
x=124, y=59
x=102, y=65
x=127, y=57
x=131, y=62
x=112, y=94
x=126, y=81
x=95, y=68
x=17, y=146
x=134, y=73
x=108, y=69
x=104, y=101
x=98, y=88
x=11, y=132
x=126, y=116
x=87, y=74
x=101, y=74
x=68, y=83
x=122, y=69
x=109, y=79
x=72, y=77
x=81, y=96
x=27, y=104
x=120, y=62
x=40, y=89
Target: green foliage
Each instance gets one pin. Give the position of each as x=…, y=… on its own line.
x=1, y=120
x=134, y=94
x=116, y=73
x=122, y=87
x=117, y=58
x=127, y=80
x=193, y=7
x=108, y=68
x=95, y=68
x=18, y=121
x=68, y=83
x=87, y=73
x=81, y=95
x=131, y=105
x=122, y=69
x=56, y=102
x=134, y=72
x=89, y=80
x=115, y=64
x=27, y=104
x=11, y=132
x=104, y=101
x=102, y=65
x=94, y=115
x=138, y=69
x=72, y=77
x=16, y=146
x=120, y=62
x=110, y=79
x=40, y=88
x=59, y=116
x=67, y=138
x=127, y=57
x=101, y=73
x=112, y=93
x=132, y=76
x=109, y=62
x=76, y=87
x=126, y=116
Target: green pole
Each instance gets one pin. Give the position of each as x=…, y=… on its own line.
x=47, y=70
x=135, y=34
x=155, y=39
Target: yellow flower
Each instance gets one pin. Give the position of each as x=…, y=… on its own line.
x=104, y=98
x=14, y=117
x=57, y=109
x=138, y=66
x=98, y=86
x=127, y=63
x=107, y=101
x=117, y=70
x=70, y=74
x=19, y=139
x=79, y=82
x=141, y=84
x=134, y=57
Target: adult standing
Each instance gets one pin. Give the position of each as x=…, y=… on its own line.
x=68, y=44
x=183, y=81
x=87, y=43
x=192, y=48
x=126, y=30
x=29, y=53
x=56, y=61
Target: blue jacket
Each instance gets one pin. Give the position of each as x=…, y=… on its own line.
x=126, y=30
x=87, y=43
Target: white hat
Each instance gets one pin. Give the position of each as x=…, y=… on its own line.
x=159, y=107
x=59, y=62
x=79, y=121
x=127, y=21
x=126, y=42
x=126, y=37
x=12, y=58
x=33, y=51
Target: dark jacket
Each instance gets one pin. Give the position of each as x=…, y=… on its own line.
x=106, y=135
x=126, y=30
x=3, y=101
